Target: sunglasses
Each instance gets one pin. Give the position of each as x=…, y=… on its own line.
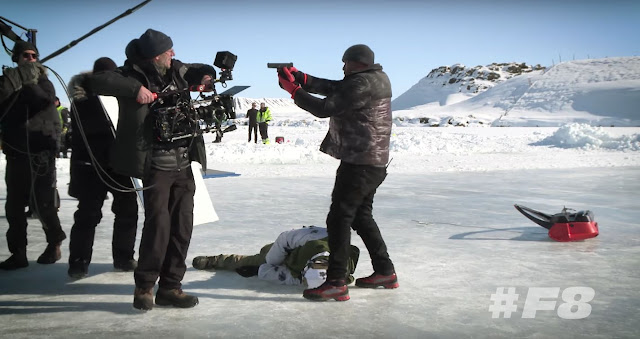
x=30, y=55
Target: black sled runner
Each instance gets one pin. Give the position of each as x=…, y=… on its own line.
x=564, y=226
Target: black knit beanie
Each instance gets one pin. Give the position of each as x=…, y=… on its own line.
x=359, y=53
x=153, y=43
x=104, y=64
x=20, y=47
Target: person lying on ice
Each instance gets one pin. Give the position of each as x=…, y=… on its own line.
x=297, y=257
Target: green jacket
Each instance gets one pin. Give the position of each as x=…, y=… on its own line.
x=297, y=260
x=264, y=116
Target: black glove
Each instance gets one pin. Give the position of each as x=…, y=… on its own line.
x=247, y=271
x=23, y=75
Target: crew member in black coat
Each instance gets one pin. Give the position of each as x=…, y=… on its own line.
x=252, y=115
x=30, y=134
x=92, y=177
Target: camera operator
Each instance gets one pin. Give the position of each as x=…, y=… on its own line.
x=359, y=108
x=164, y=167
x=30, y=134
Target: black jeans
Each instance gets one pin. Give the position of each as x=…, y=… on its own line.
x=168, y=224
x=31, y=177
x=91, y=191
x=351, y=208
x=253, y=128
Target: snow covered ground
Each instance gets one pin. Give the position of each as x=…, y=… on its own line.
x=445, y=210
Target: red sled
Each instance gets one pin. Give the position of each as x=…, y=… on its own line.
x=564, y=226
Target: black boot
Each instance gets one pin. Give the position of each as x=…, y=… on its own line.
x=15, y=261
x=50, y=255
x=78, y=268
x=175, y=297
x=206, y=262
x=125, y=266
x=248, y=271
x=143, y=298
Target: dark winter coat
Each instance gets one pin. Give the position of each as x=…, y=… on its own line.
x=30, y=121
x=135, y=145
x=359, y=108
x=95, y=126
x=252, y=114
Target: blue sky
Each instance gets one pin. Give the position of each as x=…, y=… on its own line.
x=409, y=38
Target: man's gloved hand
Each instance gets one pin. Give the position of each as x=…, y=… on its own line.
x=30, y=73
x=301, y=78
x=288, y=82
x=27, y=74
x=79, y=93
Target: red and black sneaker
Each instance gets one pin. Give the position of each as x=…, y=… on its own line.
x=378, y=280
x=330, y=289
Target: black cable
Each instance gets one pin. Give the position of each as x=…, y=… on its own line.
x=99, y=169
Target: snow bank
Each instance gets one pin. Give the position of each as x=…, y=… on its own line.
x=587, y=137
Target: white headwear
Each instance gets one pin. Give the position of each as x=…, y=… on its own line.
x=315, y=273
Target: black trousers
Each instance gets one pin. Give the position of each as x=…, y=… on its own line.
x=351, y=208
x=31, y=177
x=253, y=128
x=91, y=191
x=168, y=224
x=263, y=126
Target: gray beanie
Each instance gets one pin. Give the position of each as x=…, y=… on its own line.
x=20, y=47
x=153, y=43
x=359, y=53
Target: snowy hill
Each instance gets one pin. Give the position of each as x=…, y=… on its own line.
x=600, y=92
x=447, y=85
x=597, y=92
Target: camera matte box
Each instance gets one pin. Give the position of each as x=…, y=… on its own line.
x=225, y=60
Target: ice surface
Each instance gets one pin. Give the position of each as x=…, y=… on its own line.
x=445, y=210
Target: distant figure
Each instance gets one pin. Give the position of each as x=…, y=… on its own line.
x=299, y=256
x=252, y=115
x=92, y=177
x=359, y=108
x=63, y=114
x=30, y=136
x=264, y=116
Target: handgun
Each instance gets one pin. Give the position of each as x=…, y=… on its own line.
x=279, y=64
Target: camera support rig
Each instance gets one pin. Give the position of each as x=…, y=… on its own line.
x=188, y=117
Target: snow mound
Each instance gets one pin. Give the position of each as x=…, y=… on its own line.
x=588, y=137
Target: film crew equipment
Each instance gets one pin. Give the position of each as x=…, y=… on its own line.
x=225, y=61
x=178, y=116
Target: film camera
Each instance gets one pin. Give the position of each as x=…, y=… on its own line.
x=178, y=116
